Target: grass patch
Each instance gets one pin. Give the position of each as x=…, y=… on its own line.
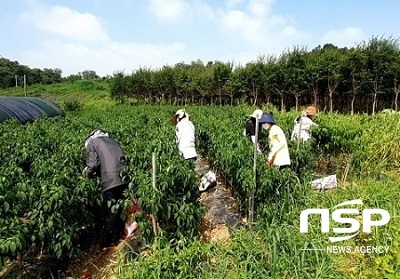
x=87, y=93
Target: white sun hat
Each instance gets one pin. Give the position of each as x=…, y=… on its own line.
x=257, y=114
x=180, y=113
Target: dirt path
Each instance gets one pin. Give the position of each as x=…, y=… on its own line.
x=93, y=262
x=99, y=263
x=223, y=210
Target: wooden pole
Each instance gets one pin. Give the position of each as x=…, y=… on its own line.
x=20, y=265
x=154, y=170
x=251, y=200
x=298, y=133
x=25, y=85
x=153, y=219
x=347, y=169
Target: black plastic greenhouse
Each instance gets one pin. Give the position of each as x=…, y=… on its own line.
x=27, y=109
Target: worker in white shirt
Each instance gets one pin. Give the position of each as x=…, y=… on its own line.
x=250, y=128
x=303, y=124
x=279, y=153
x=185, y=135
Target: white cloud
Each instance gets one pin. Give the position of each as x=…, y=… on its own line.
x=117, y=56
x=70, y=51
x=66, y=23
x=241, y=24
x=289, y=31
x=260, y=8
x=203, y=11
x=256, y=23
x=234, y=3
x=348, y=36
x=251, y=26
x=170, y=10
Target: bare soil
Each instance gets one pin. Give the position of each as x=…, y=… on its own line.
x=223, y=209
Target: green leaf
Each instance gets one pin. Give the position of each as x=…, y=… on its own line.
x=12, y=247
x=6, y=206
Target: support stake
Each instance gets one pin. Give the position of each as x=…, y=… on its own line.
x=153, y=219
x=251, y=200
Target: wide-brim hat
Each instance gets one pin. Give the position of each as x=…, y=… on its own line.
x=257, y=113
x=180, y=113
x=311, y=111
x=267, y=118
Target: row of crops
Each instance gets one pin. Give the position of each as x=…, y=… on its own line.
x=367, y=146
x=274, y=248
x=48, y=205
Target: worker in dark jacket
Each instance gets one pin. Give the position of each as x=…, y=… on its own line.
x=106, y=159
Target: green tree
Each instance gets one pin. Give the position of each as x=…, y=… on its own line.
x=119, y=86
x=221, y=74
x=332, y=62
x=253, y=79
x=280, y=84
x=203, y=82
x=196, y=68
x=396, y=79
x=141, y=84
x=75, y=77
x=269, y=68
x=381, y=53
x=394, y=70
x=232, y=87
x=89, y=74
x=36, y=75
x=163, y=83
x=314, y=74
x=355, y=61
x=295, y=72
x=182, y=81
x=51, y=76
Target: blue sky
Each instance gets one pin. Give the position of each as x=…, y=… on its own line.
x=124, y=35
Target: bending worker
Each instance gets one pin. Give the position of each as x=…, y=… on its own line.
x=106, y=159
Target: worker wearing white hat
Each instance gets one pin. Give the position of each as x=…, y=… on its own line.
x=250, y=127
x=185, y=135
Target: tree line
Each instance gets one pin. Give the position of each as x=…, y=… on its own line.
x=12, y=74
x=363, y=78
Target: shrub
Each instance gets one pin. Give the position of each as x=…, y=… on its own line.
x=72, y=105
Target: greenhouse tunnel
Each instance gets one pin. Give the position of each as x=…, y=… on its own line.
x=27, y=109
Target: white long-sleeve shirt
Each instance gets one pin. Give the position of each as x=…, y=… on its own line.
x=185, y=138
x=302, y=128
x=279, y=151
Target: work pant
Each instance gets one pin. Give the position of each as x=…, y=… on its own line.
x=113, y=224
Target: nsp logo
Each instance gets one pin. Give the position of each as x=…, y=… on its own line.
x=367, y=221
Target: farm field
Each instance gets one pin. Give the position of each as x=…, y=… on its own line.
x=48, y=206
